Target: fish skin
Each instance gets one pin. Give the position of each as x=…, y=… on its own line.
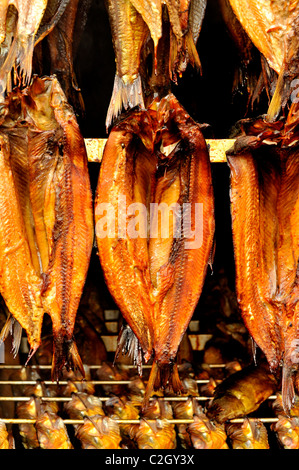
x=51, y=431
x=53, y=204
x=156, y=281
x=99, y=432
x=273, y=28
x=206, y=434
x=266, y=248
x=62, y=39
x=251, y=434
x=241, y=393
x=196, y=16
x=30, y=14
x=68, y=262
x=151, y=12
x=6, y=438
x=287, y=431
x=129, y=33
x=24, y=300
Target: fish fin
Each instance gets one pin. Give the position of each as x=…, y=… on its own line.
x=124, y=95
x=8, y=65
x=288, y=390
x=128, y=344
x=13, y=327
x=16, y=338
x=212, y=255
x=7, y=328
x=151, y=383
x=163, y=376
x=193, y=56
x=31, y=354
x=18, y=58
x=254, y=350
x=65, y=355
x=276, y=100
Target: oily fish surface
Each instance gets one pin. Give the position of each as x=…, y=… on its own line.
x=155, y=278
x=51, y=185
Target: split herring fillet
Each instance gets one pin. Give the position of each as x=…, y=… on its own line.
x=265, y=222
x=51, y=220
x=20, y=286
x=155, y=160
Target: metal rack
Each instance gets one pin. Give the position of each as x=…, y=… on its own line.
x=217, y=149
x=63, y=399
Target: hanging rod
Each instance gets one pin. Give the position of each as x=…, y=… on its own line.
x=91, y=366
x=93, y=382
x=129, y=421
x=64, y=399
x=217, y=149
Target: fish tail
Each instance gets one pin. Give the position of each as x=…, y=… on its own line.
x=65, y=355
x=8, y=65
x=162, y=376
x=277, y=98
x=24, y=60
x=192, y=52
x=18, y=58
x=124, y=96
x=13, y=327
x=128, y=344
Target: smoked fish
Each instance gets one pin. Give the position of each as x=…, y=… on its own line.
x=20, y=51
x=137, y=27
x=241, y=393
x=251, y=434
x=264, y=196
x=155, y=262
x=129, y=33
x=47, y=233
x=273, y=26
x=6, y=437
x=99, y=432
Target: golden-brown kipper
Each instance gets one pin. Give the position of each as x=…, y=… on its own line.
x=153, y=161
x=265, y=220
x=47, y=232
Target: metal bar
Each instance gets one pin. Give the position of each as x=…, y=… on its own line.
x=63, y=399
x=91, y=366
x=217, y=149
x=129, y=421
x=93, y=382
x=176, y=398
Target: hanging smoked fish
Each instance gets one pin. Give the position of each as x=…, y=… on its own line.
x=265, y=221
x=273, y=27
x=46, y=230
x=155, y=162
x=23, y=23
x=133, y=24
